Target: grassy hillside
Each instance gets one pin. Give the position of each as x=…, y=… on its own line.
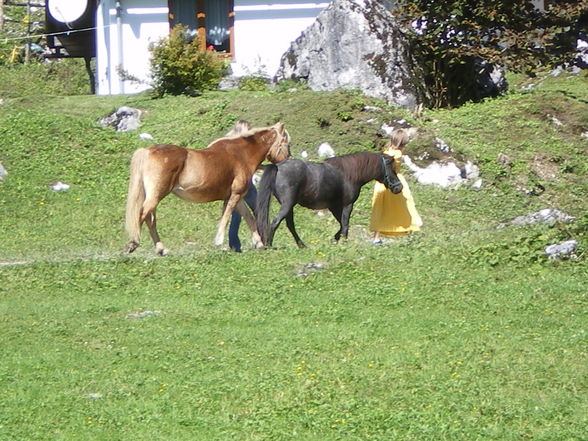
x=461, y=332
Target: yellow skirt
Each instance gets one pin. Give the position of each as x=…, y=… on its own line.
x=394, y=214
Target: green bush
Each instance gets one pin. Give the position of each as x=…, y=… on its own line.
x=179, y=66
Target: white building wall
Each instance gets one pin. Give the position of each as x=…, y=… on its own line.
x=264, y=31
x=124, y=48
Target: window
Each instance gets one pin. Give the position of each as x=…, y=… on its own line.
x=211, y=20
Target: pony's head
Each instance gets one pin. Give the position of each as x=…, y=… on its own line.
x=390, y=179
x=280, y=149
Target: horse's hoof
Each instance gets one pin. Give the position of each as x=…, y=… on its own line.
x=257, y=242
x=131, y=246
x=218, y=242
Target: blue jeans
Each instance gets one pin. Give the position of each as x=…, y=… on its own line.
x=250, y=199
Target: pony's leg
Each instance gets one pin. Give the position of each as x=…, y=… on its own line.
x=151, y=221
x=245, y=212
x=292, y=228
x=336, y=212
x=222, y=225
x=131, y=246
x=282, y=213
x=345, y=216
x=148, y=216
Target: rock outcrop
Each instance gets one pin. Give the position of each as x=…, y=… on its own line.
x=355, y=44
x=124, y=119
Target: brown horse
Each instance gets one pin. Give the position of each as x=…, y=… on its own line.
x=222, y=171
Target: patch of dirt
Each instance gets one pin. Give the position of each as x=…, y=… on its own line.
x=545, y=168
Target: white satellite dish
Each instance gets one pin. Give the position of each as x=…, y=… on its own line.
x=67, y=11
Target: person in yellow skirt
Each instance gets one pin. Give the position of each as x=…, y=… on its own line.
x=394, y=214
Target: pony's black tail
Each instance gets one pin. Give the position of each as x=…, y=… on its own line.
x=265, y=190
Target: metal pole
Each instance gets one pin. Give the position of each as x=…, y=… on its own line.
x=120, y=67
x=28, y=41
x=1, y=15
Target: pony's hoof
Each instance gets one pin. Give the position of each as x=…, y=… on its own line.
x=131, y=246
x=161, y=252
x=257, y=242
x=219, y=241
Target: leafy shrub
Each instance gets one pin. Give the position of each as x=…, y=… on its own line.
x=451, y=38
x=179, y=66
x=345, y=115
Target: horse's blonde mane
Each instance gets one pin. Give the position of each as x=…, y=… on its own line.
x=237, y=133
x=242, y=129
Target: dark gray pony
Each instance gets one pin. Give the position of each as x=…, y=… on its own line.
x=334, y=184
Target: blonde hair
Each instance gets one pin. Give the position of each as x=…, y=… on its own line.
x=239, y=128
x=399, y=138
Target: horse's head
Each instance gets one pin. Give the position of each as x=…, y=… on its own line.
x=280, y=149
x=390, y=179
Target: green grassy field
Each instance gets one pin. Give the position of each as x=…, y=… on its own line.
x=461, y=332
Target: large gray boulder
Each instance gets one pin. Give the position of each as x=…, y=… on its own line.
x=124, y=119
x=355, y=44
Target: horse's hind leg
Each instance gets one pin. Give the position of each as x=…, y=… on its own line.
x=148, y=216
x=151, y=221
x=282, y=213
x=245, y=212
x=131, y=246
x=292, y=228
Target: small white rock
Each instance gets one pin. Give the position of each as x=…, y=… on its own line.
x=386, y=130
x=555, y=121
x=325, y=150
x=142, y=314
x=561, y=249
x=59, y=186
x=477, y=185
x=371, y=109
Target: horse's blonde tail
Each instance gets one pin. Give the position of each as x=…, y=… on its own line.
x=135, y=199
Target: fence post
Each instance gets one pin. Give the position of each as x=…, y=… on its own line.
x=28, y=41
x=1, y=15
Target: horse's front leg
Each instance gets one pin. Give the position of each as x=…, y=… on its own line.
x=222, y=225
x=245, y=212
x=336, y=212
x=345, y=216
